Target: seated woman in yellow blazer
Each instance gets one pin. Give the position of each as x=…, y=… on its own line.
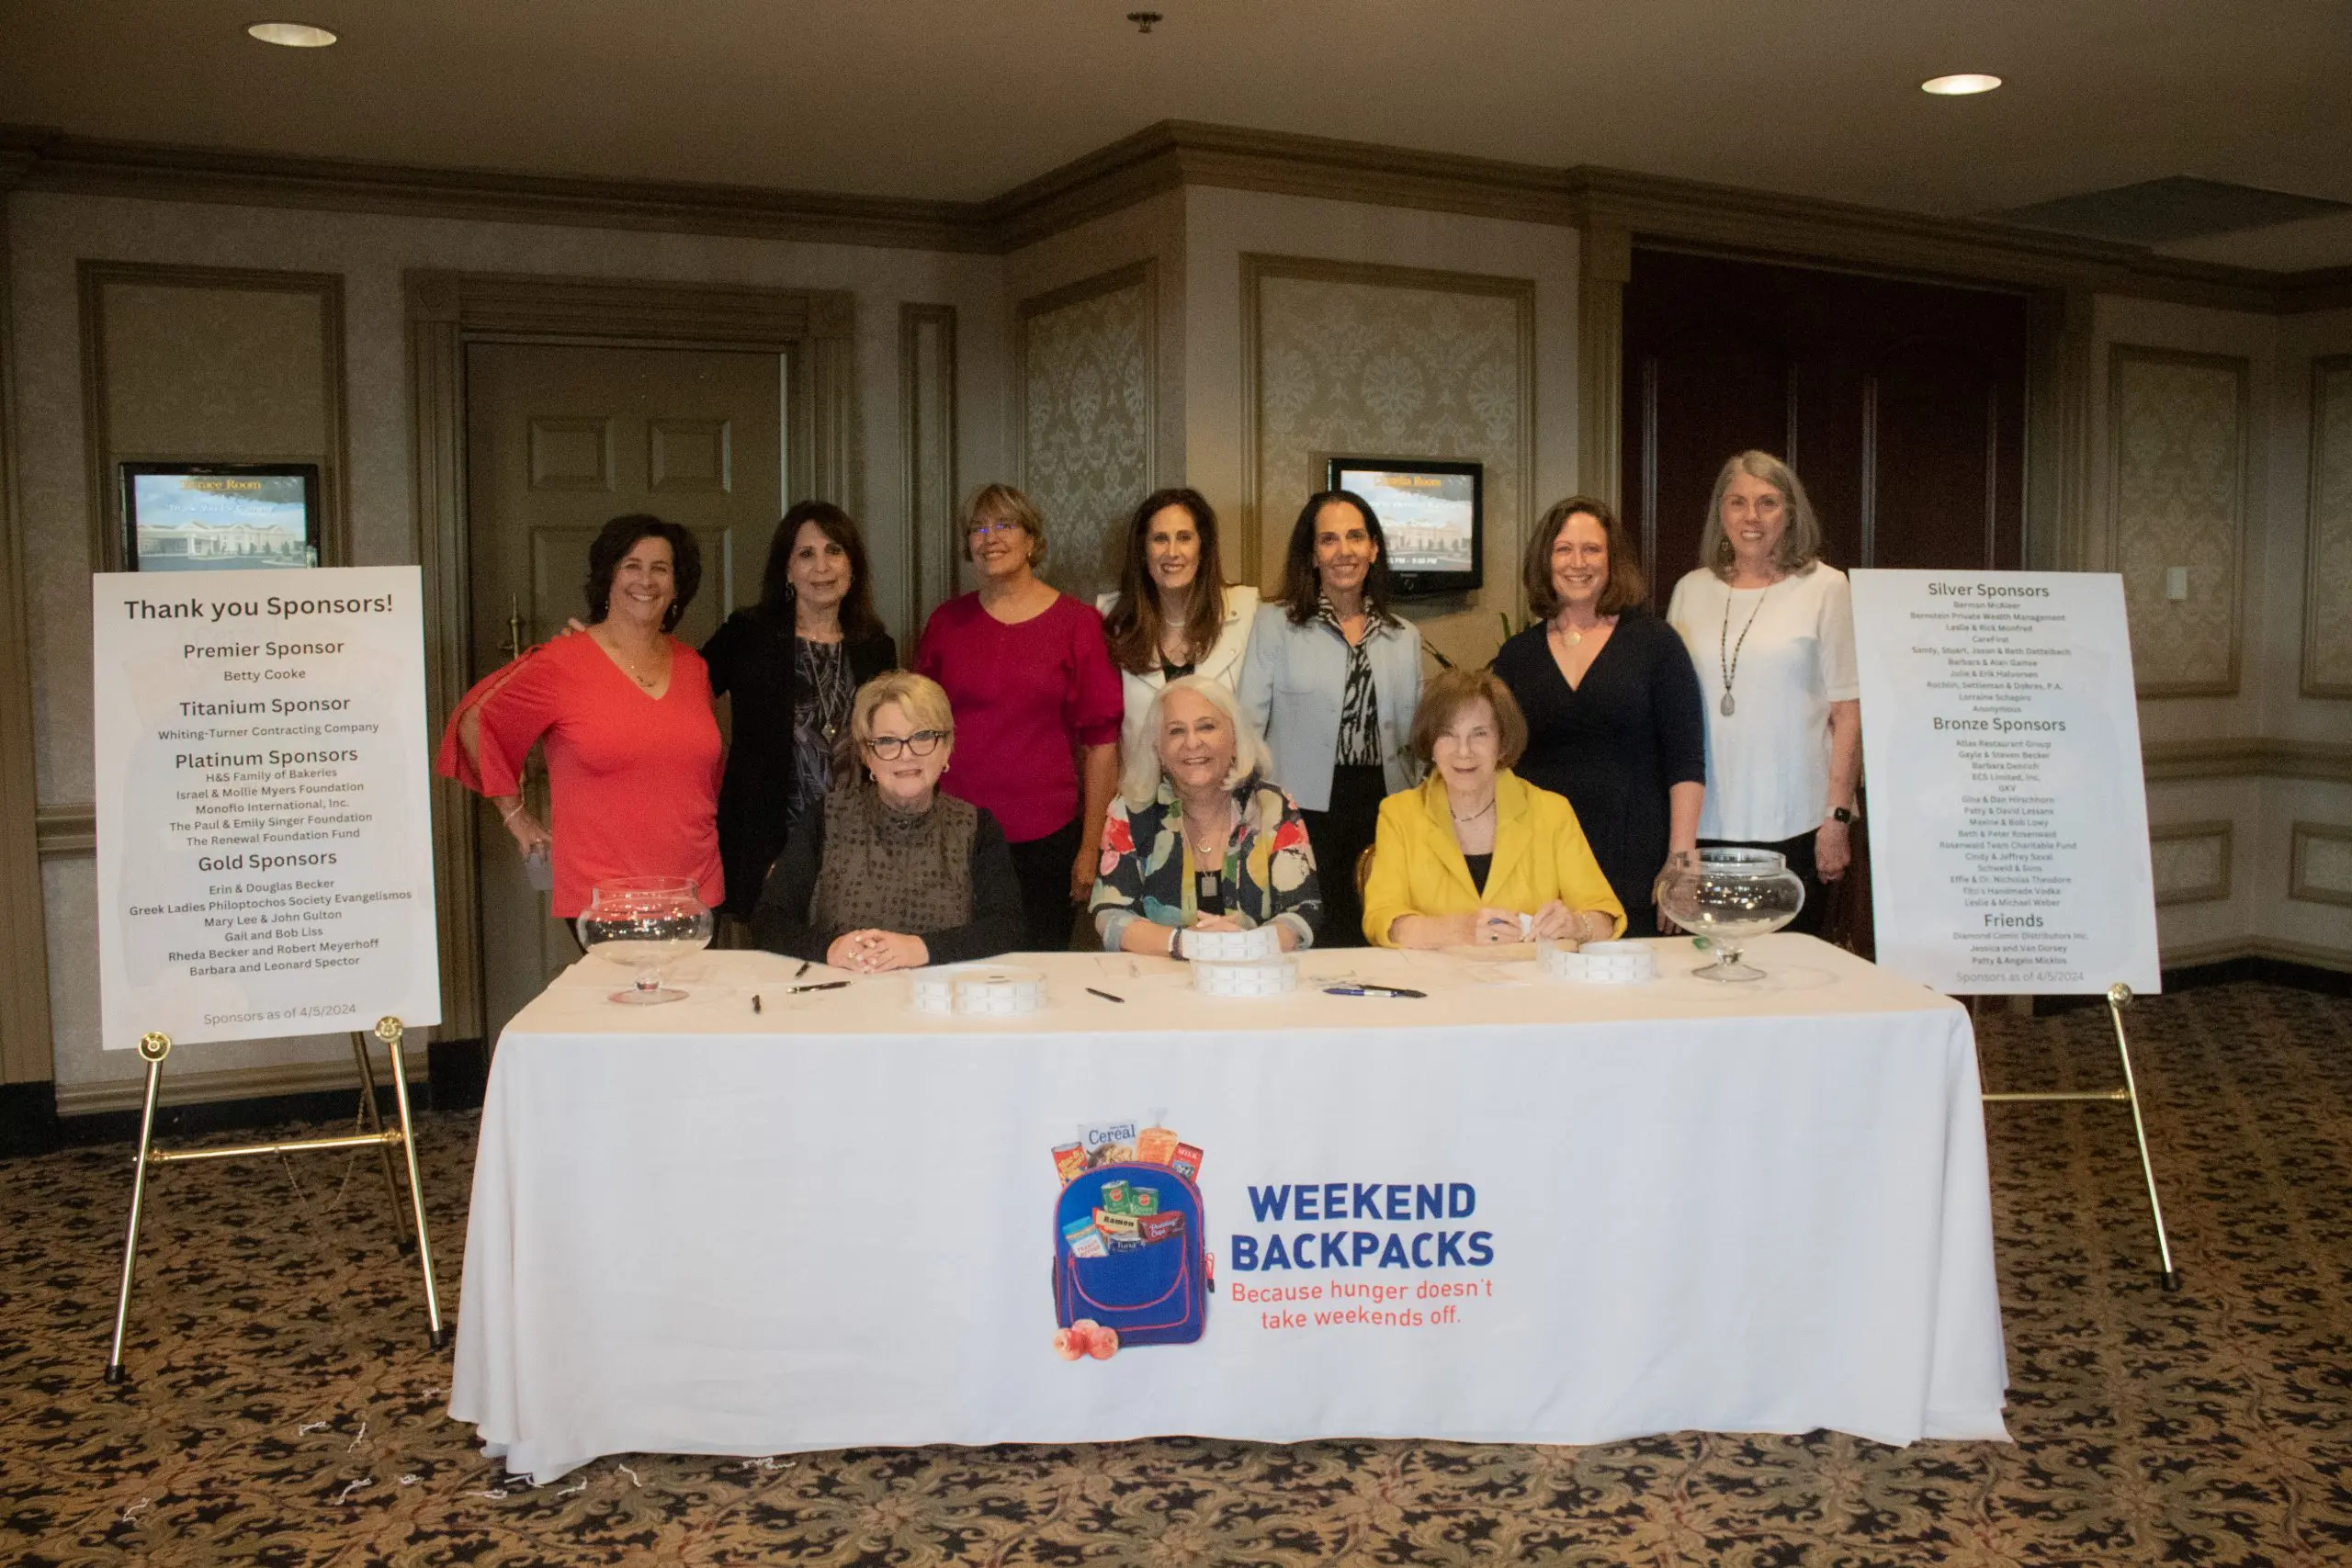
x=1464, y=857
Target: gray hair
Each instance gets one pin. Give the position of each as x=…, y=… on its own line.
x=1140, y=780
x=1800, y=544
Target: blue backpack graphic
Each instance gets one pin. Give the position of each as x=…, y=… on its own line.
x=1153, y=1295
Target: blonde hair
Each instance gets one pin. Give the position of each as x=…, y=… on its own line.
x=1004, y=504
x=1139, y=781
x=1800, y=544
x=920, y=697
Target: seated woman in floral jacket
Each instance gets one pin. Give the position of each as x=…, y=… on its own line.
x=1198, y=838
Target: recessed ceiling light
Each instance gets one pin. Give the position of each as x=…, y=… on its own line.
x=1960, y=86
x=293, y=35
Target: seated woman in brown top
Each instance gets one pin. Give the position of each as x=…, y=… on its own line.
x=886, y=872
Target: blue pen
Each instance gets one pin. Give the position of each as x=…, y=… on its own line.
x=1367, y=988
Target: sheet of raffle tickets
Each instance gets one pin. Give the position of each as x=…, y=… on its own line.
x=263, y=807
x=2010, y=815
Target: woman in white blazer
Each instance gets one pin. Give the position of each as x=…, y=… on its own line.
x=1332, y=679
x=1174, y=615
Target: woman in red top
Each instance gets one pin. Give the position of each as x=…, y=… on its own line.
x=1037, y=709
x=633, y=753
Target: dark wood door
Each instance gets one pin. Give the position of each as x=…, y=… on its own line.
x=1901, y=405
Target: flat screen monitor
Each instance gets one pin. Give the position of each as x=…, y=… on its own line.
x=219, y=517
x=1432, y=513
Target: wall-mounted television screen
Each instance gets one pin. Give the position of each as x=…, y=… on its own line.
x=219, y=517
x=1433, y=514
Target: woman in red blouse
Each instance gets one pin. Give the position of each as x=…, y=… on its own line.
x=1037, y=709
x=632, y=749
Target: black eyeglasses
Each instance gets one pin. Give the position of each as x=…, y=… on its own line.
x=921, y=743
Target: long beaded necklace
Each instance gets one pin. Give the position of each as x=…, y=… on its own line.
x=1729, y=663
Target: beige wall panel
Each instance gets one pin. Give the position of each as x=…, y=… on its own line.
x=2194, y=826
x=2178, y=443
x=49, y=233
x=1088, y=370
x=214, y=372
x=1222, y=226
x=2306, y=869
x=2328, y=585
x=2192, y=860
x=1405, y=365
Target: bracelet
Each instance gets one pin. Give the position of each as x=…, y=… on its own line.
x=512, y=812
x=1175, y=935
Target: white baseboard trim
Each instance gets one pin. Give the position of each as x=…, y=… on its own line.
x=203, y=1086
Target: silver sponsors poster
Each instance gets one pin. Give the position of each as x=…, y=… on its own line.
x=263, y=808
x=2009, y=821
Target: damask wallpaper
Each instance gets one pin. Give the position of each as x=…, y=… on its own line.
x=2177, y=426
x=1088, y=377
x=1425, y=366
x=2327, y=610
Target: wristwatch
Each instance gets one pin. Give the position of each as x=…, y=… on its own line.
x=1842, y=814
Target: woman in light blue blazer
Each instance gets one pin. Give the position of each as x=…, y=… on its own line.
x=1331, y=680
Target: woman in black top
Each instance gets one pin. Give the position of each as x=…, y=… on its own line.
x=1614, y=719
x=792, y=663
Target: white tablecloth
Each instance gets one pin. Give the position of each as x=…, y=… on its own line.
x=696, y=1229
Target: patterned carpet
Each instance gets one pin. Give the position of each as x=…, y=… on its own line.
x=286, y=1410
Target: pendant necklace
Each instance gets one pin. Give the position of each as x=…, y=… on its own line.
x=1729, y=662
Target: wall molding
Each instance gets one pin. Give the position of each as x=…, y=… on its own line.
x=26, y=1050
x=2202, y=892
x=1604, y=266
x=927, y=467
x=2120, y=358
x=69, y=831
x=2172, y=762
x=93, y=279
x=2302, y=886
x=2190, y=956
x=1164, y=157
x=1257, y=268
x=811, y=328
x=2324, y=534
x=207, y=1086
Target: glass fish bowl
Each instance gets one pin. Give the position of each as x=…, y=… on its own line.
x=1729, y=896
x=646, y=924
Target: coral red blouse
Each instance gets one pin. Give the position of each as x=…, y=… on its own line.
x=633, y=778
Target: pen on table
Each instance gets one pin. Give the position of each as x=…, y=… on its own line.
x=1105, y=995
x=822, y=986
x=755, y=1001
x=802, y=970
x=1366, y=989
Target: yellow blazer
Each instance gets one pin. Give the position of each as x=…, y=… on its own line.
x=1540, y=855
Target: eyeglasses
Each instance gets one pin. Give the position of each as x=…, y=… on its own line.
x=921, y=743
x=990, y=530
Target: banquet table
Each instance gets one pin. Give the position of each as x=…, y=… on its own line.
x=1516, y=1209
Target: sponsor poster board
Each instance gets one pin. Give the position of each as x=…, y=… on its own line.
x=2010, y=815
x=264, y=804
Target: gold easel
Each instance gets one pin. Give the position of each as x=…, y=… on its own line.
x=2119, y=996
x=153, y=1048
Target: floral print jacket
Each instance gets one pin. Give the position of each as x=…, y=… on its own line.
x=1148, y=870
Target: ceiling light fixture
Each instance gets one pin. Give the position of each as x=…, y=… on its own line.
x=1960, y=86
x=291, y=34
x=1144, y=19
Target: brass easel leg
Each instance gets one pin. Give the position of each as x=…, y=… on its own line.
x=2119, y=996
x=391, y=1031
x=375, y=1120
x=152, y=1048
